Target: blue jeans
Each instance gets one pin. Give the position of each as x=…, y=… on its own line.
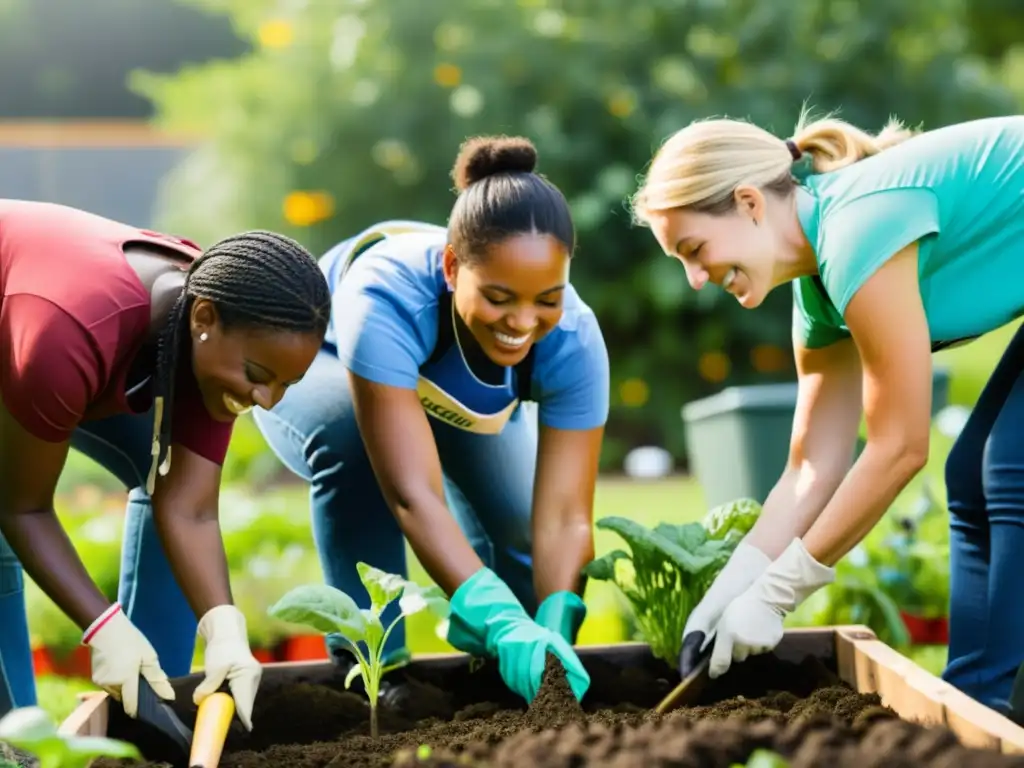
x=488, y=483
x=985, y=488
x=147, y=591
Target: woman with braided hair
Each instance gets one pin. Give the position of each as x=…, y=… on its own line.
x=895, y=245
x=411, y=420
x=138, y=350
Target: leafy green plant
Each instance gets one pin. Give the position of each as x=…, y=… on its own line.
x=732, y=520
x=763, y=758
x=664, y=576
x=330, y=610
x=32, y=730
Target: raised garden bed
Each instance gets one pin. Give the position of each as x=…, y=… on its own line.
x=836, y=697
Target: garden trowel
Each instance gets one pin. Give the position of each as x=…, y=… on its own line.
x=696, y=661
x=158, y=714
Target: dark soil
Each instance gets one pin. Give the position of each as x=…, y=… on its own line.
x=455, y=716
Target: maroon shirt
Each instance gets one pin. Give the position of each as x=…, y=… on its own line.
x=73, y=316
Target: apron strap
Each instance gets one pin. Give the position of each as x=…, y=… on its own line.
x=523, y=370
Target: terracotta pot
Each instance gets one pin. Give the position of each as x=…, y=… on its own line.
x=42, y=663
x=303, y=648
x=926, y=630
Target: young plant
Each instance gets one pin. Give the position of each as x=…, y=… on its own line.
x=32, y=730
x=330, y=610
x=763, y=758
x=669, y=569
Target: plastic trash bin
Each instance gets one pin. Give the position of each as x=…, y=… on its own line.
x=737, y=440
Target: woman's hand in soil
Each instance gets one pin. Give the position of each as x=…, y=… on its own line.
x=120, y=653
x=487, y=619
x=752, y=623
x=227, y=657
x=745, y=565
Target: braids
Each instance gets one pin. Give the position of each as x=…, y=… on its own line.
x=255, y=279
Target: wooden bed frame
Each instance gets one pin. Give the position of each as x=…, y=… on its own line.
x=859, y=657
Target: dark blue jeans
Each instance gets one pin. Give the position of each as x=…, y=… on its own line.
x=985, y=487
x=147, y=591
x=488, y=483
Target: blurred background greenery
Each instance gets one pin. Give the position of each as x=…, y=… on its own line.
x=320, y=117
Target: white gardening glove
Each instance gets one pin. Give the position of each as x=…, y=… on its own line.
x=746, y=563
x=752, y=623
x=227, y=657
x=120, y=653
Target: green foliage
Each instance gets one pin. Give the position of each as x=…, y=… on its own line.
x=664, y=576
x=369, y=102
x=330, y=610
x=32, y=730
x=733, y=519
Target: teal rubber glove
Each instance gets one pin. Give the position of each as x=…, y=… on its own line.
x=562, y=612
x=487, y=620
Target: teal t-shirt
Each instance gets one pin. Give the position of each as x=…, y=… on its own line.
x=959, y=190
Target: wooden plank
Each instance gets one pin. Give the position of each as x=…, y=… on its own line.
x=90, y=717
x=917, y=695
x=57, y=134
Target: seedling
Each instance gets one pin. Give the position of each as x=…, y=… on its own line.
x=31, y=729
x=764, y=758
x=330, y=610
x=670, y=568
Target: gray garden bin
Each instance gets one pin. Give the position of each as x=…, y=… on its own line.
x=737, y=440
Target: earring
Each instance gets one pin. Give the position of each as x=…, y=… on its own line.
x=203, y=336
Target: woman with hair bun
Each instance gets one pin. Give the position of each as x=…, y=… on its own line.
x=896, y=245
x=411, y=421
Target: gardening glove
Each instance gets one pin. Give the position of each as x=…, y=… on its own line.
x=752, y=623
x=487, y=619
x=227, y=657
x=120, y=653
x=562, y=612
x=746, y=563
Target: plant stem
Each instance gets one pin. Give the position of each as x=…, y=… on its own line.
x=373, y=720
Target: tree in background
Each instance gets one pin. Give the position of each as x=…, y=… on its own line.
x=350, y=111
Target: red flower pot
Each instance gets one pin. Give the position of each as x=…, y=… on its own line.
x=303, y=648
x=264, y=655
x=42, y=663
x=926, y=630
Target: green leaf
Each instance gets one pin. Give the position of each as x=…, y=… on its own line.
x=382, y=587
x=645, y=541
x=416, y=598
x=374, y=629
x=31, y=729
x=734, y=518
x=353, y=673
x=324, y=608
x=603, y=568
x=689, y=536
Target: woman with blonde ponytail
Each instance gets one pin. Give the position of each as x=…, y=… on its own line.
x=895, y=245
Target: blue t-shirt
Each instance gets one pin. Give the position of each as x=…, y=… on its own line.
x=959, y=190
x=384, y=325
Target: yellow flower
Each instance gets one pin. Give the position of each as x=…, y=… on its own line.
x=713, y=366
x=303, y=209
x=622, y=103
x=634, y=392
x=447, y=75
x=276, y=33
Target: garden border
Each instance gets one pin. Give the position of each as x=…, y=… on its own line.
x=861, y=659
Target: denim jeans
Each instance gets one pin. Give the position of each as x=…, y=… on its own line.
x=488, y=483
x=147, y=591
x=985, y=488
